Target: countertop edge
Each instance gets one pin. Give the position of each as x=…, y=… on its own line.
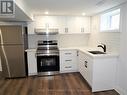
x=84, y=50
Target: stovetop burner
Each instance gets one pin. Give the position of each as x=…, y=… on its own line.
x=47, y=48
x=53, y=42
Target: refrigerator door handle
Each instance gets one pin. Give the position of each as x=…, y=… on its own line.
x=6, y=60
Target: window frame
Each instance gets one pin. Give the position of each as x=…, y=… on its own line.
x=108, y=16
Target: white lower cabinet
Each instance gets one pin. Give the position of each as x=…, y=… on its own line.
x=68, y=61
x=85, y=67
x=98, y=72
x=32, y=63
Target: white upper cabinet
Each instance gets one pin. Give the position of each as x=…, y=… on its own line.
x=76, y=24
x=49, y=21
x=65, y=24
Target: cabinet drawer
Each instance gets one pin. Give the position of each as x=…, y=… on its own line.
x=68, y=68
x=68, y=53
x=68, y=64
x=67, y=60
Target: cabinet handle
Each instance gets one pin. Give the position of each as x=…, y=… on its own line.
x=68, y=67
x=68, y=53
x=86, y=64
x=77, y=53
x=82, y=29
x=66, y=30
x=68, y=60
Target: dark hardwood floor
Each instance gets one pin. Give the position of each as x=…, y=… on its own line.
x=63, y=84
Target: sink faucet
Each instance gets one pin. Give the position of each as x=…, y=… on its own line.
x=103, y=46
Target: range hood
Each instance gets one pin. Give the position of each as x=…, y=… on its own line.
x=48, y=31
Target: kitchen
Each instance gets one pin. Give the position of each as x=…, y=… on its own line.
x=67, y=40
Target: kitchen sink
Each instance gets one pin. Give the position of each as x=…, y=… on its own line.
x=96, y=52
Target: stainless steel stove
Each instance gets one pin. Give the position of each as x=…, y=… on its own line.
x=47, y=57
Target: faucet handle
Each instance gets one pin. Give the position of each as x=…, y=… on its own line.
x=103, y=44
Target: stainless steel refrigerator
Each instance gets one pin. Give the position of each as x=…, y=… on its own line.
x=12, y=51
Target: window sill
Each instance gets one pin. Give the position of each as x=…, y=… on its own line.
x=110, y=31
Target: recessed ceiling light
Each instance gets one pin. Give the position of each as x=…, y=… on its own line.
x=46, y=13
x=83, y=14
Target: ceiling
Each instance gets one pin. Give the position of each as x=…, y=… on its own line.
x=71, y=7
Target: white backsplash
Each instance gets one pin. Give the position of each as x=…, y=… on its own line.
x=73, y=40
x=33, y=39
x=66, y=40
x=111, y=39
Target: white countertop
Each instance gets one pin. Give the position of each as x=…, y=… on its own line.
x=85, y=50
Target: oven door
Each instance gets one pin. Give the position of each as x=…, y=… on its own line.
x=48, y=63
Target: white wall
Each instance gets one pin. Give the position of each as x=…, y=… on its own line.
x=112, y=39
x=73, y=40
x=66, y=40
x=122, y=66
x=116, y=42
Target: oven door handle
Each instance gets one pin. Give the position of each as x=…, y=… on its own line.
x=47, y=54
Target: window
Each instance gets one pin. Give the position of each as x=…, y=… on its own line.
x=110, y=20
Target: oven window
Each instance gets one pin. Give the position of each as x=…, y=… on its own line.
x=47, y=63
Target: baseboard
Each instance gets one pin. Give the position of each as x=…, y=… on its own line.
x=121, y=91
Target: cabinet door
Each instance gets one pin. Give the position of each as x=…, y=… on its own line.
x=81, y=61
x=88, y=69
x=75, y=24
x=50, y=22
x=32, y=63
x=85, y=67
